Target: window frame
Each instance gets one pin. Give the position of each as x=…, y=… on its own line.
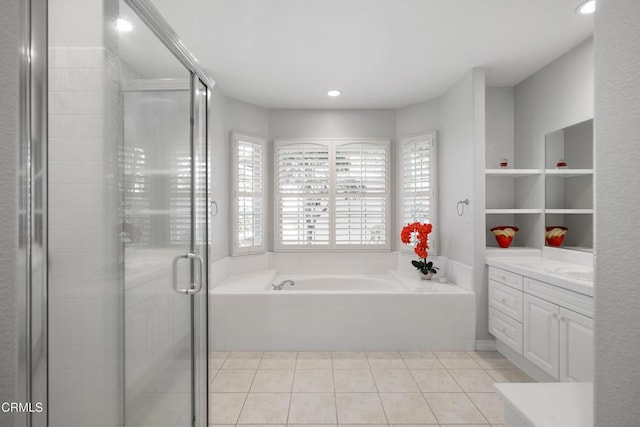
x=432, y=137
x=331, y=144
x=236, y=138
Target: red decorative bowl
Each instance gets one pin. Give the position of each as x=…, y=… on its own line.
x=504, y=234
x=554, y=236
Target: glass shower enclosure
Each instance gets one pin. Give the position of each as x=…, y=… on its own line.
x=128, y=220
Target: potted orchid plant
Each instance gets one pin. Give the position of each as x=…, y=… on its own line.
x=418, y=235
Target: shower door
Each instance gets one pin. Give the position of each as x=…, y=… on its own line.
x=164, y=232
x=127, y=226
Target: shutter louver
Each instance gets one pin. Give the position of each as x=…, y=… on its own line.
x=361, y=194
x=303, y=194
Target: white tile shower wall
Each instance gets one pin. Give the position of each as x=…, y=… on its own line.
x=83, y=219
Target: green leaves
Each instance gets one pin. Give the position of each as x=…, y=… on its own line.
x=425, y=267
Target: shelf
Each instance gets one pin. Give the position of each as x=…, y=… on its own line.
x=573, y=248
x=512, y=251
x=568, y=173
x=514, y=173
x=513, y=211
x=569, y=211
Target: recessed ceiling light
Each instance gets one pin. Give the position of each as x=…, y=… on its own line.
x=587, y=7
x=334, y=93
x=123, y=25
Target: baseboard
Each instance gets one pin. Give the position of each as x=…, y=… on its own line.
x=485, y=345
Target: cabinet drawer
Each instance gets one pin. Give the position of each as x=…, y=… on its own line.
x=505, y=277
x=506, y=329
x=506, y=300
x=579, y=303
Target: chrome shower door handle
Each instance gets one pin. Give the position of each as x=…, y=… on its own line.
x=197, y=284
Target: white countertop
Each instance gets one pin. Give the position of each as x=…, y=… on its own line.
x=550, y=404
x=574, y=277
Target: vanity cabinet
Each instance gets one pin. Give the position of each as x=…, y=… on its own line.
x=505, y=307
x=576, y=346
x=549, y=326
x=541, y=334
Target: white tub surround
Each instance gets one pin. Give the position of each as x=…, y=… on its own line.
x=541, y=313
x=342, y=311
x=547, y=405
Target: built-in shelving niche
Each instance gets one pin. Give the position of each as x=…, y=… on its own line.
x=532, y=199
x=569, y=191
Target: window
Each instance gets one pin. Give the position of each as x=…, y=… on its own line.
x=332, y=194
x=418, y=184
x=248, y=177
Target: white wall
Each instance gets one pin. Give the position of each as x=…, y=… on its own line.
x=9, y=269
x=285, y=123
x=456, y=160
x=500, y=126
x=617, y=132
x=557, y=96
x=418, y=118
x=220, y=176
x=461, y=174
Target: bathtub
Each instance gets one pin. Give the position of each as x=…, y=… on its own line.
x=340, y=313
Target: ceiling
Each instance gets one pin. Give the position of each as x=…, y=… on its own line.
x=379, y=53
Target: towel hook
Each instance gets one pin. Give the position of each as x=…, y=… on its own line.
x=460, y=206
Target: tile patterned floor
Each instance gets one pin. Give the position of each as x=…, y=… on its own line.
x=311, y=389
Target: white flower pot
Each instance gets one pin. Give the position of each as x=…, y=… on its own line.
x=425, y=276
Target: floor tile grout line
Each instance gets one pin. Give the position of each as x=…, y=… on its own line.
x=467, y=393
x=384, y=411
x=478, y=408
x=293, y=381
x=248, y=391
x=335, y=393
x=370, y=369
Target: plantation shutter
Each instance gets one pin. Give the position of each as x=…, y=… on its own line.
x=137, y=196
x=249, y=193
x=418, y=158
x=302, y=193
x=361, y=196
x=332, y=194
x=180, y=199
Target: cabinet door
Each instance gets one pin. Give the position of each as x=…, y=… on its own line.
x=576, y=346
x=541, y=341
